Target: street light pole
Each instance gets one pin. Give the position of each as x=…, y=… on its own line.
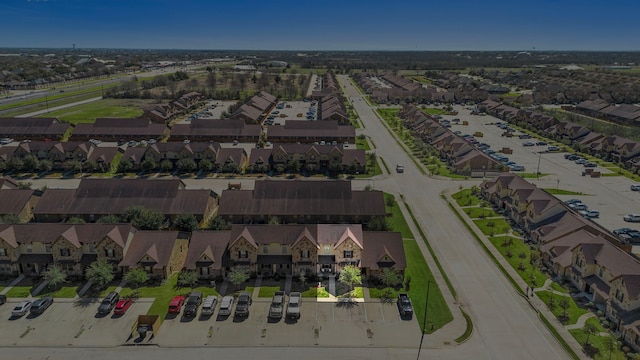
x=46, y=100
x=424, y=320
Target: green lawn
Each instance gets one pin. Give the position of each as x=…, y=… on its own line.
x=206, y=291
x=521, y=263
x=438, y=312
x=19, y=292
x=557, y=287
x=357, y=292
x=362, y=144
x=376, y=293
x=598, y=342
x=562, y=192
x=466, y=198
x=268, y=291
x=493, y=226
x=87, y=113
x=315, y=292
x=63, y=292
x=477, y=212
x=436, y=111
x=573, y=312
x=397, y=222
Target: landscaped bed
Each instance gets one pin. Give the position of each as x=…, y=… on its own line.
x=573, y=312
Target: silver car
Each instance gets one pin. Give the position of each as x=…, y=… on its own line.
x=21, y=309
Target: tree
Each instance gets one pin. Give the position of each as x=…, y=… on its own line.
x=100, y=272
x=205, y=165
x=378, y=223
x=218, y=223
x=211, y=80
x=136, y=276
x=109, y=219
x=125, y=166
x=10, y=219
x=185, y=222
x=186, y=165
x=148, y=164
x=187, y=278
x=45, y=165
x=30, y=163
x=390, y=277
x=564, y=305
x=148, y=220
x=54, y=275
x=589, y=329
x=131, y=213
x=238, y=275
x=166, y=165
x=73, y=166
x=610, y=344
x=75, y=220
x=350, y=276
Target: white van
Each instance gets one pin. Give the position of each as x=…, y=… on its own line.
x=225, y=306
x=209, y=304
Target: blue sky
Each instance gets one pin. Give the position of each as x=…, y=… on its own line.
x=322, y=25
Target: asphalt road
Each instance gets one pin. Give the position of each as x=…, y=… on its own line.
x=505, y=325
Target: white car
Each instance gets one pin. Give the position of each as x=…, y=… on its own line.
x=632, y=218
x=635, y=187
x=21, y=309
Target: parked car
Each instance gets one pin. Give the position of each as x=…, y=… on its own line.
x=632, y=218
x=122, y=306
x=242, y=307
x=516, y=168
x=590, y=165
x=635, y=187
x=21, y=309
x=572, y=201
x=176, y=304
x=108, y=303
x=193, y=303
x=553, y=148
x=541, y=143
x=578, y=206
x=295, y=305
x=572, y=157
x=527, y=143
x=404, y=305
x=225, y=306
x=581, y=161
x=209, y=305
x=276, y=309
x=525, y=136
x=40, y=305
x=399, y=169
x=3, y=299
x=5, y=141
x=589, y=214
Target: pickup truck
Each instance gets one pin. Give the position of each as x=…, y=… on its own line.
x=242, y=307
x=276, y=309
x=295, y=302
x=404, y=305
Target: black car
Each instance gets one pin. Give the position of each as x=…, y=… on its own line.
x=108, y=303
x=40, y=305
x=242, y=307
x=193, y=303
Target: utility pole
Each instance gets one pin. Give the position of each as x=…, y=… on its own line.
x=424, y=320
x=538, y=170
x=46, y=100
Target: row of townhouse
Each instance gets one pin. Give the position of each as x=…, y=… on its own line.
x=164, y=113
x=58, y=153
x=393, y=88
x=256, y=108
x=308, y=158
x=30, y=249
x=330, y=101
x=198, y=130
x=575, y=248
x=613, y=148
x=623, y=113
x=459, y=154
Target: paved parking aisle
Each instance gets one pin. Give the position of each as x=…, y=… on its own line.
x=68, y=323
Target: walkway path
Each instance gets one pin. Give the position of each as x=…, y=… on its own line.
x=15, y=282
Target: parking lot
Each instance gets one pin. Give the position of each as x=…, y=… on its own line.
x=321, y=323
x=67, y=322
x=610, y=195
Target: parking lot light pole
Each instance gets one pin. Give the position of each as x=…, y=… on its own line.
x=424, y=319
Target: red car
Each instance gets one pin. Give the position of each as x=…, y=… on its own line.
x=122, y=306
x=176, y=304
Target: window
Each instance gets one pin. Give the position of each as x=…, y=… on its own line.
x=265, y=249
x=109, y=253
x=3, y=252
x=601, y=272
x=65, y=252
x=29, y=248
x=147, y=269
x=243, y=254
x=47, y=248
x=304, y=254
x=204, y=271
x=284, y=249
x=348, y=254
x=92, y=249
x=326, y=250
